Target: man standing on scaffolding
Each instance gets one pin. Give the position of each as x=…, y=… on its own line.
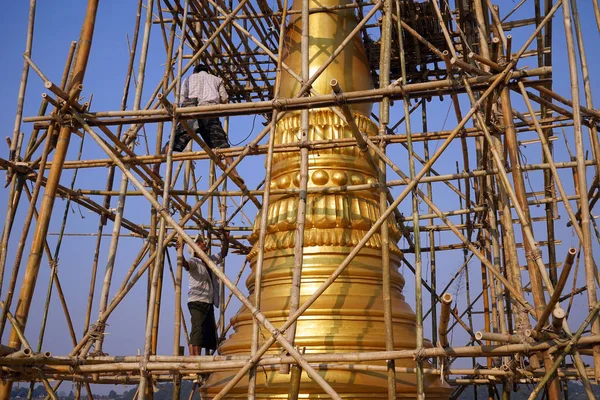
x=201, y=89
x=203, y=296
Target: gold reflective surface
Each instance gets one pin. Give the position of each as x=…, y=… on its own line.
x=348, y=317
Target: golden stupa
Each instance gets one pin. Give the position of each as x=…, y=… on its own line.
x=348, y=317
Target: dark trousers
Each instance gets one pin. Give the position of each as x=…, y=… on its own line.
x=210, y=129
x=204, y=327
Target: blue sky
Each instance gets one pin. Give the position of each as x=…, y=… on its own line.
x=58, y=23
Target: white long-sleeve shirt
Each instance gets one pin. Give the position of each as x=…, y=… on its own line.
x=207, y=88
x=201, y=287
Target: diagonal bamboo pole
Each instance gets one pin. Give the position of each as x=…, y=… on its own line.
x=355, y=251
x=582, y=181
x=207, y=260
x=41, y=230
x=592, y=316
x=383, y=217
x=51, y=186
x=17, y=328
x=452, y=227
x=528, y=236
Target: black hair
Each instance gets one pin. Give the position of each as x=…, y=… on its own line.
x=200, y=67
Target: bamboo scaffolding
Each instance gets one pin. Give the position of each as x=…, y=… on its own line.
x=480, y=62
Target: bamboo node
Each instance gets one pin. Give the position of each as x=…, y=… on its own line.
x=97, y=331
x=533, y=255
x=420, y=354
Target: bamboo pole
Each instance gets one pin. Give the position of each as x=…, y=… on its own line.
x=520, y=194
x=34, y=260
x=558, y=360
x=452, y=227
x=17, y=329
x=582, y=181
x=23, y=84
x=266, y=202
x=557, y=289
x=384, y=118
x=378, y=223
x=110, y=175
x=394, y=91
x=182, y=363
x=444, y=319
x=499, y=337
x=597, y=13
x=16, y=184
x=311, y=372
x=418, y=260
x=24, y=234
x=302, y=195
x=15, y=193
x=160, y=259
x=529, y=237
x=124, y=182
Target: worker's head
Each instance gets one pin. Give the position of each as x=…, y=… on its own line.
x=201, y=242
x=200, y=67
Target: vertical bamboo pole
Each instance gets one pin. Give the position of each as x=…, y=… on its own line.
x=516, y=196
x=24, y=76
x=16, y=184
x=480, y=19
x=496, y=252
x=302, y=195
x=112, y=254
x=151, y=335
x=114, y=243
x=432, y=255
x=467, y=280
x=416, y=233
x=160, y=259
x=111, y=172
x=384, y=117
x=593, y=131
x=520, y=191
x=582, y=182
x=35, y=256
x=418, y=262
x=178, y=277
x=223, y=223
x=265, y=205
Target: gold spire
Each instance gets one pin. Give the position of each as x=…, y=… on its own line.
x=348, y=317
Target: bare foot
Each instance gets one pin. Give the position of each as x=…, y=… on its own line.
x=156, y=169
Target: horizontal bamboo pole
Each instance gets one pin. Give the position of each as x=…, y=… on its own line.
x=101, y=363
x=498, y=337
x=518, y=375
x=547, y=123
x=299, y=103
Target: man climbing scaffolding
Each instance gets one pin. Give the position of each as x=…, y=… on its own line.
x=203, y=296
x=200, y=89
